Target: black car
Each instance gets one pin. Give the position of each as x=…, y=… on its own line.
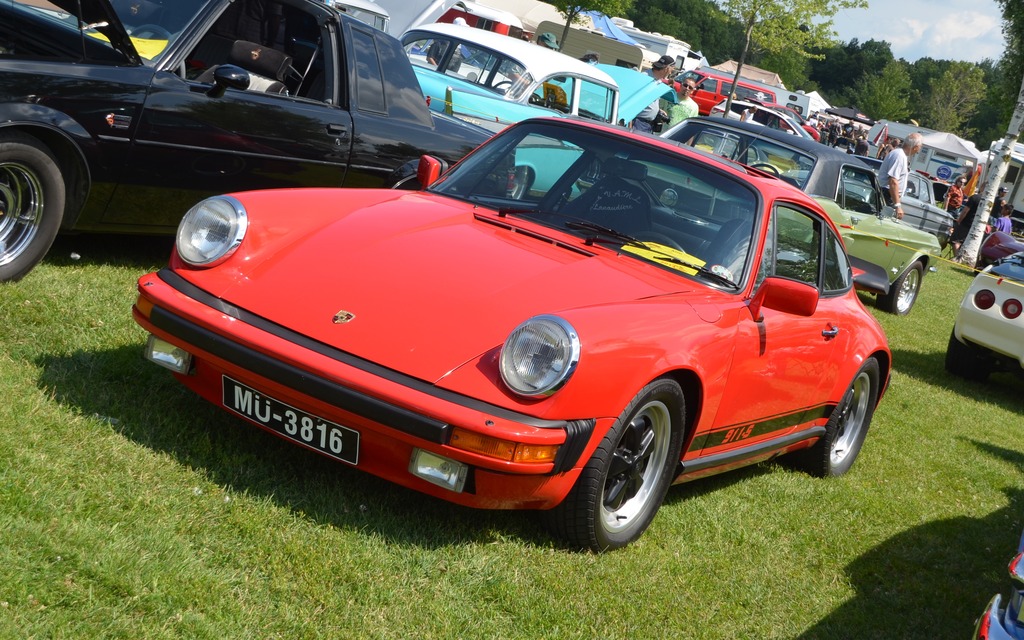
x=118, y=115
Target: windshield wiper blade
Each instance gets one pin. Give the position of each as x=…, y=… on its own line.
x=611, y=235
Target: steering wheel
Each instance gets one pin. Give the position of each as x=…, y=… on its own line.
x=505, y=83
x=770, y=168
x=150, y=32
x=660, y=238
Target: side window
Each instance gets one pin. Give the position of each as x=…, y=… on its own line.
x=797, y=245
x=838, y=275
x=857, y=191
x=915, y=187
x=370, y=80
x=426, y=52
x=596, y=101
x=554, y=93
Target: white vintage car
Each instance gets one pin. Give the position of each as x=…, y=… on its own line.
x=494, y=80
x=989, y=332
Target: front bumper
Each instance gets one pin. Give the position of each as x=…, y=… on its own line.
x=394, y=414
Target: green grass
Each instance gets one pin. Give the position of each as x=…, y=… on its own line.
x=129, y=508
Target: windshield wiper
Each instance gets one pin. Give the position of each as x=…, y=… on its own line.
x=607, y=235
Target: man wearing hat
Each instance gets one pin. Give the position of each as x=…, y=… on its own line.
x=997, y=206
x=547, y=39
x=661, y=71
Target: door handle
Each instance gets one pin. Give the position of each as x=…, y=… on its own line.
x=336, y=130
x=831, y=332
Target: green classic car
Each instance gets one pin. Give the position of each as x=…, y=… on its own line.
x=846, y=187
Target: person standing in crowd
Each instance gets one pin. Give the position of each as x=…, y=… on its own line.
x=862, y=146
x=1000, y=200
x=548, y=41
x=963, y=223
x=686, y=107
x=955, y=196
x=653, y=115
x=1003, y=222
x=895, y=168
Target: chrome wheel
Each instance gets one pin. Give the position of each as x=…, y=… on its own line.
x=637, y=462
x=908, y=291
x=21, y=209
x=855, y=411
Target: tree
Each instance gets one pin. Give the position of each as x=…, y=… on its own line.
x=777, y=25
x=884, y=95
x=995, y=173
x=572, y=10
x=954, y=98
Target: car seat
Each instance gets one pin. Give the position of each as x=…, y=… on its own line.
x=617, y=200
x=267, y=67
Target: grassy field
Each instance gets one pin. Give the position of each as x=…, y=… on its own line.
x=129, y=508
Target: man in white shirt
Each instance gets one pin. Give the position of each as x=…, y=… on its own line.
x=892, y=175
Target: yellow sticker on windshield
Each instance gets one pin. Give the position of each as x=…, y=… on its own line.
x=666, y=255
x=147, y=48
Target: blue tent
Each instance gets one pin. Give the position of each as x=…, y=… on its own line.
x=607, y=27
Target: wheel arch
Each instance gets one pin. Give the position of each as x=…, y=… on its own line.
x=74, y=169
x=693, y=392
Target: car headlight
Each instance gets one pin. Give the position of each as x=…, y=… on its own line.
x=211, y=231
x=539, y=356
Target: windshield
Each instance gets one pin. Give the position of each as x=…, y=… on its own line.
x=153, y=26
x=653, y=204
x=468, y=62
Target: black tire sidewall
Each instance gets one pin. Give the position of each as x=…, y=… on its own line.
x=889, y=301
x=832, y=427
x=30, y=152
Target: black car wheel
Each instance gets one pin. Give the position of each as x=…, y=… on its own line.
x=966, y=361
x=623, y=484
x=836, y=451
x=903, y=293
x=31, y=203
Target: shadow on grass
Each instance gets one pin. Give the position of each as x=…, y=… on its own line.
x=932, y=580
x=1003, y=389
x=138, y=252
x=145, y=404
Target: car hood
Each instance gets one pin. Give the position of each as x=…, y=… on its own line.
x=426, y=283
x=636, y=90
x=102, y=16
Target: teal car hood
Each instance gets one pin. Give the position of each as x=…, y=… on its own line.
x=636, y=90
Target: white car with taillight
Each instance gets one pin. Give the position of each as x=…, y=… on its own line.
x=989, y=332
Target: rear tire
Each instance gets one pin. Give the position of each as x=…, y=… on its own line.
x=623, y=484
x=966, y=361
x=903, y=293
x=32, y=198
x=836, y=451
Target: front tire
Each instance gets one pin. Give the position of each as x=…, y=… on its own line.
x=623, y=484
x=903, y=293
x=31, y=203
x=836, y=451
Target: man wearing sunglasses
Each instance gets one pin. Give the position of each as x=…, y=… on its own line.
x=686, y=107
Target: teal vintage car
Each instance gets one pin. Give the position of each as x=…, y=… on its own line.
x=845, y=186
x=494, y=80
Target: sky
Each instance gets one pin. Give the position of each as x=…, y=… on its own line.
x=969, y=30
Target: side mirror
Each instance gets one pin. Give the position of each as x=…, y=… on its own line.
x=429, y=170
x=786, y=296
x=228, y=76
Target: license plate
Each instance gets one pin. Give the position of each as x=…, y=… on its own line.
x=334, y=440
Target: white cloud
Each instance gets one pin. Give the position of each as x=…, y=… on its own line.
x=942, y=29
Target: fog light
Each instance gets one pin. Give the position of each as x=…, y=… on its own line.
x=444, y=472
x=167, y=355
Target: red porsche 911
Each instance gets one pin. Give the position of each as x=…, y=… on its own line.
x=571, y=319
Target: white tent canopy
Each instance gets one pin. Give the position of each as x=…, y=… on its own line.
x=817, y=102
x=951, y=144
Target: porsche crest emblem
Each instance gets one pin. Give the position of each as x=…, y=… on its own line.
x=256, y=53
x=342, y=317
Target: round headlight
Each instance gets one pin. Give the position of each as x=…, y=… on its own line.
x=211, y=231
x=540, y=356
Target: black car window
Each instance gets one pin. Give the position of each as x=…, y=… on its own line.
x=38, y=30
x=369, y=76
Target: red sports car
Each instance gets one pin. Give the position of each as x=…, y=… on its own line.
x=571, y=319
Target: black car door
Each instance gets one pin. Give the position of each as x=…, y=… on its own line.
x=192, y=143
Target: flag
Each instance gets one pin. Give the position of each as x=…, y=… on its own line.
x=883, y=135
x=972, y=184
